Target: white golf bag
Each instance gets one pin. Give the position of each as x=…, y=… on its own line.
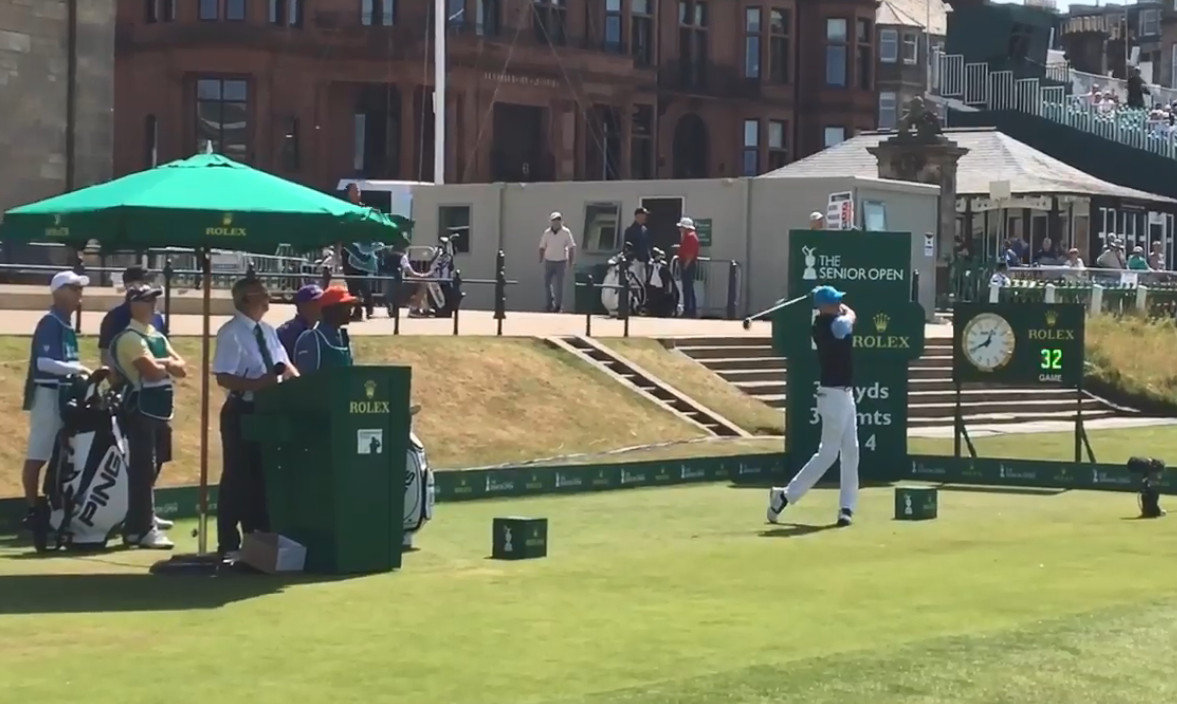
x=419, y=489
x=634, y=281
x=441, y=296
x=86, y=485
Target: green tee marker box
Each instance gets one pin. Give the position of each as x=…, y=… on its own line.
x=518, y=538
x=915, y=503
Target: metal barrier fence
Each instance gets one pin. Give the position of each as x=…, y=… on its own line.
x=977, y=85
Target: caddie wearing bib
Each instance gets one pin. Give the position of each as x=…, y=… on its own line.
x=53, y=356
x=833, y=335
x=327, y=344
x=145, y=359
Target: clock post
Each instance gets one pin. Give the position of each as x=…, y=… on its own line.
x=1036, y=345
x=875, y=271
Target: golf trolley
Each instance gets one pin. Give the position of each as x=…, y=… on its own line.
x=652, y=286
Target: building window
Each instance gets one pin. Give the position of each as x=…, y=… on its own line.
x=888, y=46
x=601, y=223
x=286, y=12
x=751, y=162
x=778, y=146
x=692, y=42
x=778, y=46
x=290, y=150
x=454, y=221
x=1150, y=22
x=455, y=14
x=377, y=12
x=866, y=53
x=151, y=142
x=911, y=50
x=613, y=34
x=641, y=32
x=833, y=135
x=836, y=39
x=641, y=143
x=549, y=20
x=222, y=116
x=486, y=19
x=888, y=110
x=235, y=10
x=210, y=10
x=752, y=43
x=161, y=11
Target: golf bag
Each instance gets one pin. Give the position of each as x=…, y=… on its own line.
x=662, y=293
x=419, y=489
x=634, y=274
x=443, y=296
x=86, y=485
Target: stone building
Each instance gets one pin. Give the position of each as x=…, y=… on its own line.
x=56, y=97
x=537, y=91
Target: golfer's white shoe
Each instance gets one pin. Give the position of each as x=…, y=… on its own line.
x=776, y=503
x=155, y=540
x=163, y=523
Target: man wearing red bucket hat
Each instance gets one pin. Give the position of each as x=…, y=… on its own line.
x=327, y=344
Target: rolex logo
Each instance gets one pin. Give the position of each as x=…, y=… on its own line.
x=370, y=389
x=227, y=219
x=882, y=320
x=1051, y=318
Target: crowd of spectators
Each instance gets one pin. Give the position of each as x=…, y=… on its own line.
x=1115, y=255
x=1136, y=110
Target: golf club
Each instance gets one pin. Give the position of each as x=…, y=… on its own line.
x=765, y=313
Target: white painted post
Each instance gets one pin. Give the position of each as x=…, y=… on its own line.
x=1096, y=299
x=1141, y=298
x=1050, y=293
x=994, y=293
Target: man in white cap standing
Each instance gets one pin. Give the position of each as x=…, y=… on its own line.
x=688, y=261
x=557, y=248
x=817, y=221
x=53, y=356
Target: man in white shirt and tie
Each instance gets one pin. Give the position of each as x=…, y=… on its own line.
x=556, y=250
x=249, y=357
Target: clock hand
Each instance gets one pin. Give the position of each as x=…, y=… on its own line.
x=986, y=343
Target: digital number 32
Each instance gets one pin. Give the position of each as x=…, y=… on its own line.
x=1052, y=359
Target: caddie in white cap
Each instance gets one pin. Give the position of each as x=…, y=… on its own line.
x=817, y=221
x=53, y=355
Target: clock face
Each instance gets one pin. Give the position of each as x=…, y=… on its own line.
x=988, y=342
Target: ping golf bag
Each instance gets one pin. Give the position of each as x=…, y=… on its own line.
x=634, y=274
x=662, y=293
x=443, y=297
x=86, y=485
x=419, y=490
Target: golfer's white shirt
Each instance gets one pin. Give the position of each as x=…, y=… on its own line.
x=238, y=354
x=556, y=245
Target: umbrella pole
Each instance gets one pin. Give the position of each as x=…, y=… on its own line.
x=206, y=275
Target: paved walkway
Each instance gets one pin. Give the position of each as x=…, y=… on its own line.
x=475, y=322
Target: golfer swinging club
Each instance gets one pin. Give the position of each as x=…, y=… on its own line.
x=833, y=335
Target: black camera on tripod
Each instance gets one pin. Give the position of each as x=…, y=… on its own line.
x=1150, y=470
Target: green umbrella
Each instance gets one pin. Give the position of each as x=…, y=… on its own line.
x=204, y=201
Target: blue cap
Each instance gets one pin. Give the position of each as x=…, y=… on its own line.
x=308, y=293
x=827, y=295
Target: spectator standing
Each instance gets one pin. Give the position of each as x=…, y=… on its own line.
x=1112, y=256
x=1138, y=262
x=1021, y=250
x=306, y=314
x=817, y=221
x=53, y=356
x=1009, y=256
x=1074, y=261
x=1045, y=255
x=1000, y=276
x=688, y=261
x=117, y=319
x=637, y=236
x=1136, y=89
x=557, y=249
x=1156, y=258
x=146, y=360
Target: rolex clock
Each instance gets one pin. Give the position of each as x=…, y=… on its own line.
x=988, y=342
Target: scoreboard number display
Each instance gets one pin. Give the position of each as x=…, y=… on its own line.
x=1025, y=344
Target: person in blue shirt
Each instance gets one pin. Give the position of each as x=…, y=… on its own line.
x=306, y=314
x=53, y=356
x=327, y=344
x=119, y=317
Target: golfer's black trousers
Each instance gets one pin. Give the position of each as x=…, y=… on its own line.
x=241, y=498
x=145, y=449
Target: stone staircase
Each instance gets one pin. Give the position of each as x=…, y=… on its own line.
x=751, y=365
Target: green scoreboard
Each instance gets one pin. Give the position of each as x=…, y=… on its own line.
x=1025, y=344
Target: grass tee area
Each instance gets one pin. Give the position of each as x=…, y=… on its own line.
x=660, y=596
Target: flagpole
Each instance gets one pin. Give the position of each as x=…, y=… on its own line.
x=439, y=26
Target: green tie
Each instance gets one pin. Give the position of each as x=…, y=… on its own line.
x=267, y=359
